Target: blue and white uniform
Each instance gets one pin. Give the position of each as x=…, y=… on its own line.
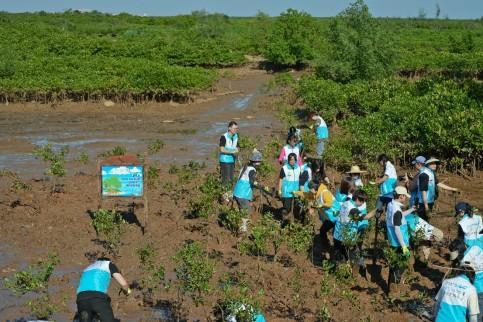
x=472, y=227
x=306, y=169
x=333, y=211
x=231, y=142
x=290, y=180
x=474, y=255
x=321, y=131
x=345, y=227
x=417, y=224
x=243, y=189
x=431, y=188
x=457, y=299
x=388, y=186
x=96, y=277
x=394, y=210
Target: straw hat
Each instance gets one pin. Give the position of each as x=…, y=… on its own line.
x=355, y=169
x=432, y=160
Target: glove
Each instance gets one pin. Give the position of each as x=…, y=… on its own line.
x=406, y=251
x=311, y=127
x=372, y=182
x=279, y=193
x=266, y=189
x=127, y=292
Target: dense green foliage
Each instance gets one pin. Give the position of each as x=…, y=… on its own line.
x=402, y=119
x=84, y=56
x=290, y=41
x=359, y=48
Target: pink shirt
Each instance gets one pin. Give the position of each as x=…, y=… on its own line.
x=286, y=150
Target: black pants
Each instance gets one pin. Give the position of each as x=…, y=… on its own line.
x=324, y=230
x=422, y=212
x=88, y=308
x=382, y=202
x=342, y=253
x=227, y=171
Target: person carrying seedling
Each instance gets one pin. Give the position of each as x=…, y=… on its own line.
x=397, y=228
x=287, y=184
x=355, y=174
x=92, y=297
x=346, y=237
x=247, y=181
x=457, y=299
x=288, y=149
x=386, y=183
x=321, y=132
x=470, y=226
x=228, y=153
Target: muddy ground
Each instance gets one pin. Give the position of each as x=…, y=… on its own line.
x=37, y=221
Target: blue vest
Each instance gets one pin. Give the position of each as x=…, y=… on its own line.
x=392, y=208
x=322, y=132
x=431, y=186
x=388, y=186
x=305, y=167
x=364, y=223
x=230, y=145
x=290, y=182
x=95, y=277
x=474, y=255
x=333, y=211
x=471, y=227
x=345, y=227
x=243, y=189
x=454, y=295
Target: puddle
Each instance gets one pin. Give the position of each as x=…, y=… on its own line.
x=243, y=102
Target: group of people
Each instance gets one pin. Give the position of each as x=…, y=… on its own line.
x=407, y=203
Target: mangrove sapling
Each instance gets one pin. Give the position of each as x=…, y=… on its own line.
x=152, y=176
x=153, y=274
x=237, y=301
x=117, y=150
x=56, y=167
x=298, y=237
x=35, y=277
x=232, y=219
x=110, y=224
x=155, y=146
x=42, y=307
x=194, y=271
x=83, y=158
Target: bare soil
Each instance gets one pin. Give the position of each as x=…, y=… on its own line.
x=38, y=221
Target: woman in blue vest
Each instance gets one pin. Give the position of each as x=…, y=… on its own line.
x=460, y=253
x=397, y=228
x=470, y=226
x=386, y=183
x=228, y=153
x=330, y=215
x=321, y=132
x=92, y=297
x=287, y=184
x=243, y=191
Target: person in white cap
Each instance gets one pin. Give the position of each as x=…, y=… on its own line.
x=355, y=174
x=432, y=164
x=397, y=228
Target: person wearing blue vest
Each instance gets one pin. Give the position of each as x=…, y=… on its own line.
x=386, y=183
x=92, y=292
x=418, y=164
x=397, y=228
x=330, y=214
x=305, y=176
x=228, y=153
x=243, y=191
x=426, y=192
x=321, y=132
x=346, y=232
x=460, y=253
x=287, y=184
x=470, y=226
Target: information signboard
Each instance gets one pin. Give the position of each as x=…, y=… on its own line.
x=122, y=180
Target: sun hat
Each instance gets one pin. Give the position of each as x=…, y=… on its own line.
x=419, y=159
x=432, y=160
x=400, y=190
x=355, y=169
